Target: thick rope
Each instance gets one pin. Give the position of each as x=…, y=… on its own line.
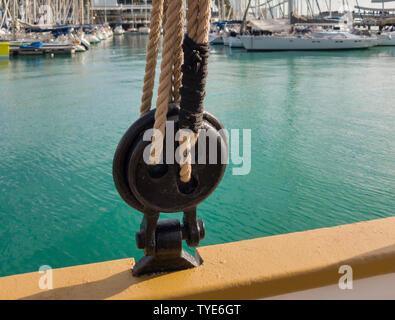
x=165, y=79
x=194, y=79
x=192, y=16
x=203, y=28
x=152, y=54
x=194, y=70
x=178, y=54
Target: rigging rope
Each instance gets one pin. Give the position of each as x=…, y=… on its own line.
x=178, y=54
x=196, y=51
x=152, y=54
x=191, y=75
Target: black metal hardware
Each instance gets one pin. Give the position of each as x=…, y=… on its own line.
x=155, y=189
x=163, y=248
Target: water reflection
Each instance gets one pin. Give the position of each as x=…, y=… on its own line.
x=322, y=149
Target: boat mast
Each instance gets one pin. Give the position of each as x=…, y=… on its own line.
x=290, y=10
x=34, y=11
x=105, y=11
x=245, y=17
x=382, y=11
x=14, y=18
x=82, y=12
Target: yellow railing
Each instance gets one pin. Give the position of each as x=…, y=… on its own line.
x=249, y=269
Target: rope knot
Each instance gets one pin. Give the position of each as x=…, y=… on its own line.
x=195, y=55
x=196, y=60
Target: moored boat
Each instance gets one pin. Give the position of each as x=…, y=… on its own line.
x=92, y=38
x=387, y=37
x=215, y=38
x=225, y=39
x=306, y=35
x=85, y=43
x=291, y=42
x=132, y=30
x=79, y=48
x=144, y=30
x=34, y=48
x=234, y=40
x=119, y=30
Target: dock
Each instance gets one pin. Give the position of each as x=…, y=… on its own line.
x=45, y=49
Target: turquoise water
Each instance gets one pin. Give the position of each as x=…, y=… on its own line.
x=323, y=148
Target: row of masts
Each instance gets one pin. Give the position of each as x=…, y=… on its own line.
x=258, y=9
x=62, y=12
x=20, y=13
x=32, y=13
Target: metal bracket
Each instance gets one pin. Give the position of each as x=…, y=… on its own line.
x=162, y=243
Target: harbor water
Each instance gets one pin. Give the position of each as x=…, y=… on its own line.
x=323, y=147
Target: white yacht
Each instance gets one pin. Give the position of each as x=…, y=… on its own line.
x=387, y=37
x=283, y=43
x=84, y=42
x=215, y=37
x=119, y=31
x=230, y=32
x=79, y=48
x=144, y=30
x=225, y=39
x=289, y=40
x=92, y=37
x=235, y=42
x=109, y=32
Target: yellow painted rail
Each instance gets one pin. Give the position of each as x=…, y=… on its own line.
x=249, y=269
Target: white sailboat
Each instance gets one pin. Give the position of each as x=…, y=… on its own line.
x=286, y=41
x=386, y=38
x=85, y=42
x=119, y=30
x=225, y=39
x=290, y=43
x=92, y=37
x=235, y=42
x=215, y=37
x=233, y=39
x=230, y=32
x=145, y=29
x=387, y=35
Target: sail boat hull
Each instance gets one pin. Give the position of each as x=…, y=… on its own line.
x=387, y=39
x=235, y=42
x=215, y=38
x=270, y=43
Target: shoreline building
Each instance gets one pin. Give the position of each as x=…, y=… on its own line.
x=125, y=12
